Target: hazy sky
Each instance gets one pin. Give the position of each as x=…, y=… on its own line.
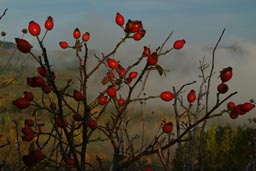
x=199, y=22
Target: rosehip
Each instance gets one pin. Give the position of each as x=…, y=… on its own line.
x=102, y=100
x=146, y=51
x=111, y=91
x=42, y=71
x=222, y=88
x=226, y=74
x=137, y=36
x=112, y=63
x=121, y=71
x=92, y=123
x=128, y=26
x=63, y=44
x=49, y=23
x=191, y=97
x=231, y=105
x=23, y=45
x=39, y=81
x=152, y=59
x=119, y=19
x=29, y=122
x=34, y=28
x=76, y=33
x=247, y=106
x=136, y=26
x=167, y=127
x=77, y=95
x=86, y=36
x=167, y=96
x=239, y=109
x=47, y=89
x=29, y=95
x=133, y=75
x=120, y=102
x=60, y=123
x=233, y=114
x=178, y=44
x=21, y=103
x=110, y=75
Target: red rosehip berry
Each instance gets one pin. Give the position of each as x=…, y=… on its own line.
x=146, y=51
x=231, y=105
x=191, y=97
x=233, y=114
x=111, y=91
x=92, y=123
x=76, y=33
x=42, y=71
x=119, y=19
x=136, y=26
x=29, y=95
x=222, y=88
x=102, y=100
x=137, y=36
x=60, y=123
x=49, y=24
x=34, y=28
x=28, y=134
x=23, y=45
x=63, y=44
x=47, y=89
x=178, y=44
x=39, y=81
x=121, y=71
x=167, y=127
x=133, y=75
x=152, y=59
x=226, y=74
x=86, y=36
x=121, y=102
x=239, y=109
x=247, y=106
x=77, y=95
x=110, y=75
x=29, y=122
x=128, y=26
x=166, y=96
x=112, y=63
x=21, y=103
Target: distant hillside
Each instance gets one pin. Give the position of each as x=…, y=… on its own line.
x=7, y=45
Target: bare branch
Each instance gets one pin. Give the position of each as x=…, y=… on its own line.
x=3, y=14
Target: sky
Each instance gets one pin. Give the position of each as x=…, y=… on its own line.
x=199, y=22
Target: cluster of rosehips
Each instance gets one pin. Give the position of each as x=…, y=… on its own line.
x=76, y=35
x=239, y=109
x=27, y=131
x=225, y=75
x=35, y=30
x=34, y=157
x=132, y=26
